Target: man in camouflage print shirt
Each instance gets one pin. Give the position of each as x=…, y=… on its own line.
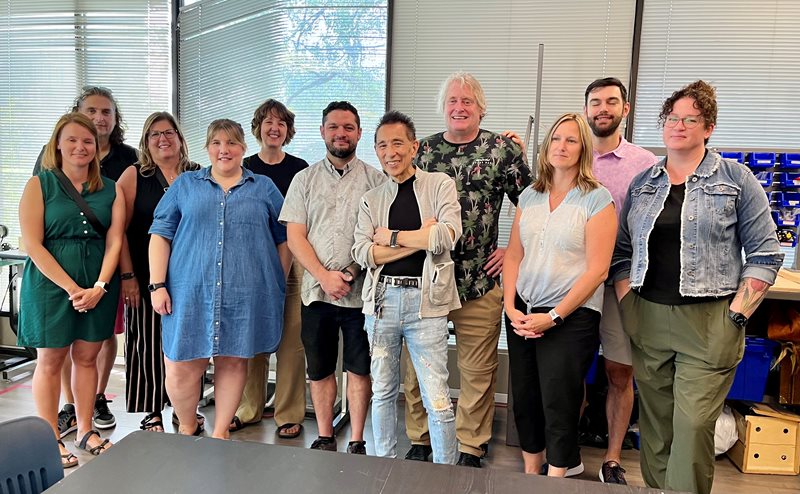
x=486, y=166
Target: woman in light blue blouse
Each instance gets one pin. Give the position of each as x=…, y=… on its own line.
x=218, y=264
x=557, y=258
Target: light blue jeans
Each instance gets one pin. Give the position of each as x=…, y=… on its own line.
x=397, y=310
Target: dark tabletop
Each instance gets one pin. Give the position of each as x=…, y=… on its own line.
x=150, y=462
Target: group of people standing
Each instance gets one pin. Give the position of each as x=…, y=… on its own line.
x=608, y=246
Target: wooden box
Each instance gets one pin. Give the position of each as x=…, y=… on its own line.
x=768, y=439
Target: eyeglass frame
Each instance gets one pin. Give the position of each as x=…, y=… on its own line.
x=169, y=134
x=671, y=118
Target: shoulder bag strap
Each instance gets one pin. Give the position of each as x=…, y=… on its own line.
x=81, y=202
x=162, y=179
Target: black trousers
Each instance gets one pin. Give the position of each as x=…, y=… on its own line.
x=547, y=376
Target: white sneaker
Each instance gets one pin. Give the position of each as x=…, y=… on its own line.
x=571, y=472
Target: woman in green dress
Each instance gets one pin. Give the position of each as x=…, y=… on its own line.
x=70, y=289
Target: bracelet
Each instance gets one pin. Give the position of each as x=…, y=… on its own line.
x=127, y=276
x=393, y=239
x=102, y=285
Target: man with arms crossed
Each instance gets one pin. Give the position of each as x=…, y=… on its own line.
x=616, y=162
x=320, y=213
x=486, y=166
x=406, y=230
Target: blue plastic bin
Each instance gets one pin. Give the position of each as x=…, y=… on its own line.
x=762, y=160
x=751, y=374
x=733, y=155
x=791, y=160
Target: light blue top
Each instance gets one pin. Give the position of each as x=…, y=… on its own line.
x=554, y=245
x=224, y=276
x=725, y=211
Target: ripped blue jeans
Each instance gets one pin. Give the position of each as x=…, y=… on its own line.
x=397, y=310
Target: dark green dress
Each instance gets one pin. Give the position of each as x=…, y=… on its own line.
x=47, y=318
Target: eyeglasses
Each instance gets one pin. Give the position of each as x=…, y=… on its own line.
x=156, y=134
x=689, y=122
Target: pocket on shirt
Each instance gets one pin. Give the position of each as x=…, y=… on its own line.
x=442, y=281
x=721, y=198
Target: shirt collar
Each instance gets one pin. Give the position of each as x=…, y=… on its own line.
x=205, y=174
x=347, y=167
x=706, y=168
x=620, y=152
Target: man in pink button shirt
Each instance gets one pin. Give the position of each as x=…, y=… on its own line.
x=616, y=162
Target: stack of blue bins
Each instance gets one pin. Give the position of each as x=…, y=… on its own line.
x=751, y=374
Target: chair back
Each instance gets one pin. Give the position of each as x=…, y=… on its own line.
x=30, y=460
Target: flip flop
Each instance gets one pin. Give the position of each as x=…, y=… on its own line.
x=68, y=460
x=152, y=422
x=200, y=419
x=288, y=435
x=84, y=443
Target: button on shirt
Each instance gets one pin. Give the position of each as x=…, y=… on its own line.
x=327, y=204
x=615, y=169
x=224, y=276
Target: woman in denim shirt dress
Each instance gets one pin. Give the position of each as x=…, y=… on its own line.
x=218, y=264
x=684, y=291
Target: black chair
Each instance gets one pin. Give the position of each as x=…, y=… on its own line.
x=30, y=460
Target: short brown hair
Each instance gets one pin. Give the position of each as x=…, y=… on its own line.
x=279, y=110
x=233, y=129
x=585, y=180
x=705, y=100
x=52, y=158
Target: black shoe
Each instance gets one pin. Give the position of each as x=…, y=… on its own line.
x=571, y=471
x=612, y=473
x=468, y=460
x=357, y=447
x=103, y=418
x=485, y=449
x=67, y=421
x=419, y=452
x=324, y=443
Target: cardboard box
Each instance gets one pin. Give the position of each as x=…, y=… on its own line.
x=769, y=439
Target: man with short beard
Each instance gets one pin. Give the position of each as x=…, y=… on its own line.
x=320, y=213
x=616, y=163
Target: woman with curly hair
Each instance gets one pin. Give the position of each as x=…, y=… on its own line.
x=685, y=292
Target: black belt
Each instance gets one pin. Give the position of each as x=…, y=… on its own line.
x=405, y=281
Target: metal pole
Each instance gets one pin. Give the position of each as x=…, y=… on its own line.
x=537, y=108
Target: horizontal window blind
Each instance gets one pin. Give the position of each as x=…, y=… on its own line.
x=49, y=50
x=236, y=54
x=747, y=50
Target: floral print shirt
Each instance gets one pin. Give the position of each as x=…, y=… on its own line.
x=484, y=170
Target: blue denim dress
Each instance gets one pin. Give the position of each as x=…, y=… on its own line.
x=224, y=277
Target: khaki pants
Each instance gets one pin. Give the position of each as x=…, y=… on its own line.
x=290, y=386
x=477, y=325
x=684, y=359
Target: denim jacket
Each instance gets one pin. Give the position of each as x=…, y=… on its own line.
x=437, y=198
x=724, y=211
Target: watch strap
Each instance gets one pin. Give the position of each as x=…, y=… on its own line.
x=393, y=239
x=155, y=286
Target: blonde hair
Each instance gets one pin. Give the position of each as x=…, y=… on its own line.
x=585, y=180
x=232, y=129
x=147, y=166
x=52, y=157
x=464, y=79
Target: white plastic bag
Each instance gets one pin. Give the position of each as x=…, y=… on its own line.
x=725, y=434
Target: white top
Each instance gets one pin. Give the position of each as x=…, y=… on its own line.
x=554, y=245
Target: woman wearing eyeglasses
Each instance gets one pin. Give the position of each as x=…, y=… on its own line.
x=685, y=292
x=164, y=156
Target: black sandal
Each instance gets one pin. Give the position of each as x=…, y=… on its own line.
x=288, y=435
x=95, y=451
x=68, y=460
x=151, y=421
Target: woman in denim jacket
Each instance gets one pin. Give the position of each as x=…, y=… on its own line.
x=684, y=292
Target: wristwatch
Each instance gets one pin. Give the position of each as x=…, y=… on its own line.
x=557, y=320
x=155, y=286
x=738, y=318
x=127, y=276
x=393, y=240
x=352, y=276
x=101, y=284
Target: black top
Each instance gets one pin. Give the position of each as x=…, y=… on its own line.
x=663, y=277
x=148, y=193
x=119, y=158
x=404, y=215
x=281, y=173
